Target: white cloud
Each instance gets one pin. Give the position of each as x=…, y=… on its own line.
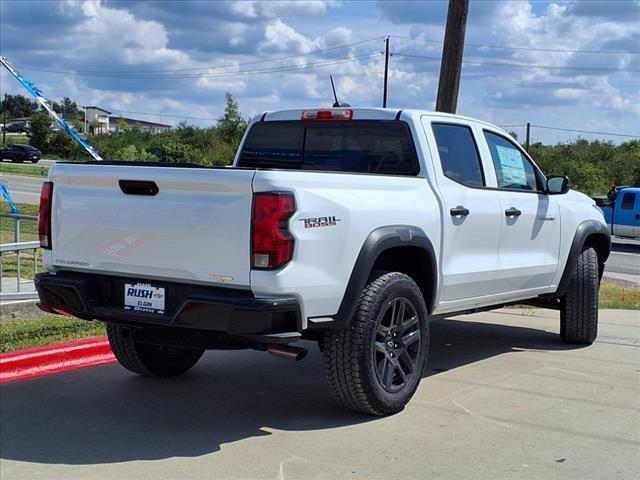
x=233, y=37
x=281, y=37
x=118, y=32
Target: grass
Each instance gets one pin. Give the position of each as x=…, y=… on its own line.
x=45, y=330
x=14, y=138
x=619, y=297
x=28, y=232
x=28, y=228
x=28, y=170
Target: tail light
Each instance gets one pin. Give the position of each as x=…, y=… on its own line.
x=271, y=242
x=327, y=114
x=44, y=215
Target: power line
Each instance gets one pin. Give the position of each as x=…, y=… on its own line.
x=219, y=75
x=215, y=67
x=520, y=65
x=161, y=115
x=586, y=131
x=533, y=49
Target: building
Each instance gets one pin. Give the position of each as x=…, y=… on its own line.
x=116, y=124
x=96, y=120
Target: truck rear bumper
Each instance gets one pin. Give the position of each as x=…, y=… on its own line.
x=228, y=311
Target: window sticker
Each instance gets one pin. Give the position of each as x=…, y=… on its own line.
x=512, y=167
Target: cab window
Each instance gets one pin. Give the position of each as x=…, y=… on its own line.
x=628, y=201
x=513, y=170
x=458, y=154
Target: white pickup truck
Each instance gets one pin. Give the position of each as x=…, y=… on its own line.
x=352, y=227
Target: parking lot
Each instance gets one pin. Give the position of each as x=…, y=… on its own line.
x=503, y=398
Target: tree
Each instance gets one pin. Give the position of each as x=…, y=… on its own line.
x=57, y=107
x=231, y=126
x=18, y=106
x=40, y=130
x=70, y=107
x=122, y=124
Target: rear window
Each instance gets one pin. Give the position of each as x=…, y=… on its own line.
x=359, y=146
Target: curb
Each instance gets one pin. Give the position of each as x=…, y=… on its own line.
x=612, y=279
x=37, y=362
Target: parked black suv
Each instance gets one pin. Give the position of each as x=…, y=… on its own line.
x=20, y=153
x=18, y=128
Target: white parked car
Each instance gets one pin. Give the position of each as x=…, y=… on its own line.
x=352, y=227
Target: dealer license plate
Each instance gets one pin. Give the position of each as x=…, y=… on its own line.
x=143, y=297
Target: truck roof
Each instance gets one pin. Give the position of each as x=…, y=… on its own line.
x=370, y=113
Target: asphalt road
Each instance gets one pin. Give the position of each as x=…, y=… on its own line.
x=625, y=257
x=44, y=162
x=24, y=189
x=503, y=398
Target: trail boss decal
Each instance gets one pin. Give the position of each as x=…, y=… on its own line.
x=315, y=222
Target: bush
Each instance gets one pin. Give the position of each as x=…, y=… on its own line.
x=40, y=130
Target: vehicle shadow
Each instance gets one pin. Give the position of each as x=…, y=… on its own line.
x=105, y=415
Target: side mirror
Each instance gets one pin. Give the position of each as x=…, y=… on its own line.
x=558, y=184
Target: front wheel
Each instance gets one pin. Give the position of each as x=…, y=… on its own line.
x=150, y=360
x=579, y=306
x=375, y=364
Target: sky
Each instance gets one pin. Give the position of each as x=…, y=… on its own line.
x=572, y=65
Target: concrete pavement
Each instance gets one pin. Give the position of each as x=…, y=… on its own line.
x=503, y=398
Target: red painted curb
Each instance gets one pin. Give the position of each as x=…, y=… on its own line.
x=36, y=362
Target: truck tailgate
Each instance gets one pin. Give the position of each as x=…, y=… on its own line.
x=196, y=227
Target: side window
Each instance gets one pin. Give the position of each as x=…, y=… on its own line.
x=458, y=154
x=513, y=170
x=628, y=201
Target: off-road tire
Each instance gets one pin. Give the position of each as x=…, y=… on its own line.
x=149, y=360
x=579, y=306
x=350, y=358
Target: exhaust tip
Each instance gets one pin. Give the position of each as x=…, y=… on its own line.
x=287, y=352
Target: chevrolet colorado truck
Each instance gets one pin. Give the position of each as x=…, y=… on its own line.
x=351, y=227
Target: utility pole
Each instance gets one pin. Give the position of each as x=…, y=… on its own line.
x=386, y=71
x=527, y=139
x=451, y=65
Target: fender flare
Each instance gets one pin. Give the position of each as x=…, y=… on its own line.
x=379, y=240
x=583, y=232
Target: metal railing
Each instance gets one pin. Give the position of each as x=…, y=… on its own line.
x=8, y=250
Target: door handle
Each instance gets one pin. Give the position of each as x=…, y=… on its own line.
x=138, y=187
x=512, y=212
x=459, y=211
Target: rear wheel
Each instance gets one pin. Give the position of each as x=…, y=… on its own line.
x=579, y=306
x=375, y=364
x=150, y=360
